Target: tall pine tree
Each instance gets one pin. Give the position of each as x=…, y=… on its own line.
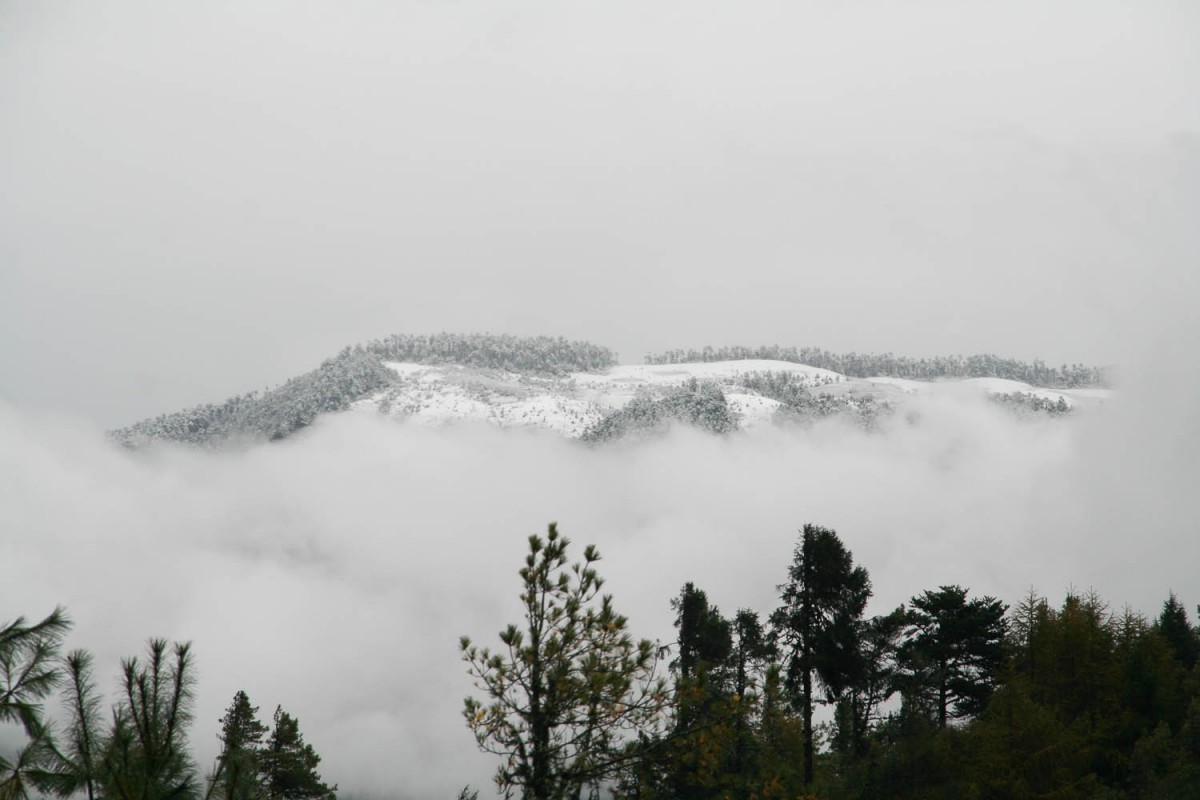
x=29, y=672
x=237, y=774
x=570, y=691
x=954, y=651
x=818, y=623
x=1174, y=626
x=288, y=766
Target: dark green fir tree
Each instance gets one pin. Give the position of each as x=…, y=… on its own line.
x=288, y=766
x=818, y=624
x=236, y=775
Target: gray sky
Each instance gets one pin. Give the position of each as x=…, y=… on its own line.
x=202, y=200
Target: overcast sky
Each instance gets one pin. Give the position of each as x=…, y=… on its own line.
x=200, y=200
x=206, y=199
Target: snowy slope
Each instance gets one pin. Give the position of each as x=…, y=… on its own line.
x=437, y=395
x=444, y=394
x=577, y=389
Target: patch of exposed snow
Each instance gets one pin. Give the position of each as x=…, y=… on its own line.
x=562, y=415
x=906, y=385
x=405, y=369
x=751, y=410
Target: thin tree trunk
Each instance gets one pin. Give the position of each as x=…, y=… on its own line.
x=808, y=727
x=942, y=700
x=806, y=634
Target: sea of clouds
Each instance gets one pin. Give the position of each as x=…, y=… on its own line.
x=334, y=573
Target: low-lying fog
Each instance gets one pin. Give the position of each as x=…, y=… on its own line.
x=334, y=573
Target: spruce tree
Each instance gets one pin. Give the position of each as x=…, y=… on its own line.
x=237, y=774
x=954, y=651
x=1174, y=626
x=288, y=766
x=705, y=637
x=817, y=625
x=752, y=652
x=702, y=742
x=876, y=682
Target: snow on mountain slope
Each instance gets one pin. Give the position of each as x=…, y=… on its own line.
x=570, y=405
x=577, y=389
x=905, y=385
x=752, y=410
x=436, y=395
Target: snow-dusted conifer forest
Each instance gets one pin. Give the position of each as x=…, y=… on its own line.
x=578, y=389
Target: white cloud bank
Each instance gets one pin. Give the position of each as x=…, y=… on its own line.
x=335, y=572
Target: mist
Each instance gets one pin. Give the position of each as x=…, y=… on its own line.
x=333, y=573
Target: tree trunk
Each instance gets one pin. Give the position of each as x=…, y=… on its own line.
x=806, y=635
x=942, y=698
x=808, y=727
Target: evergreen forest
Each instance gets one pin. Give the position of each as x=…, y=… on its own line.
x=138, y=748
x=953, y=694
x=356, y=372
x=359, y=372
x=869, y=365
x=950, y=695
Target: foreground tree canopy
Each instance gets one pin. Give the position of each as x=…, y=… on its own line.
x=140, y=751
x=569, y=688
x=949, y=696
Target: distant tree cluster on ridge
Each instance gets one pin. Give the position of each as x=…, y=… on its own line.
x=871, y=365
x=355, y=373
x=700, y=404
x=543, y=355
x=273, y=413
x=1024, y=403
x=798, y=404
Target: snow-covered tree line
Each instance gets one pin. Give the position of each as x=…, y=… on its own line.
x=704, y=405
x=273, y=413
x=543, y=355
x=360, y=372
x=355, y=373
x=870, y=365
x=800, y=405
x=700, y=404
x=1025, y=403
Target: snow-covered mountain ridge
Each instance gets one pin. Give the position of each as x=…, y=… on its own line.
x=577, y=389
x=571, y=405
x=574, y=404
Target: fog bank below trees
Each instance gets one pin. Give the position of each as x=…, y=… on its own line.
x=335, y=572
